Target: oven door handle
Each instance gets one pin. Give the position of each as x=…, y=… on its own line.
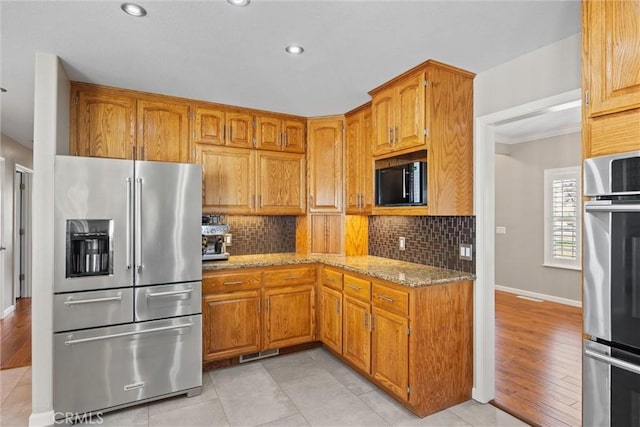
x=611, y=208
x=613, y=361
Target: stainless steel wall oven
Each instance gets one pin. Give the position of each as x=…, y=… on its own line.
x=611, y=384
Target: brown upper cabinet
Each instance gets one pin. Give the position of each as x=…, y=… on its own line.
x=398, y=111
x=219, y=126
x=432, y=110
x=121, y=124
x=163, y=130
x=611, y=76
x=324, y=159
x=274, y=133
x=358, y=161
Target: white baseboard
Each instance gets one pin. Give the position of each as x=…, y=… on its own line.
x=565, y=301
x=8, y=311
x=42, y=419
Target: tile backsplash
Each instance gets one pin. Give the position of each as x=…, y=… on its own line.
x=261, y=234
x=430, y=240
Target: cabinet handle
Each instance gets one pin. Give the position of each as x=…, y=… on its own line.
x=389, y=135
x=291, y=277
x=235, y=282
x=337, y=307
x=354, y=287
x=310, y=200
x=364, y=320
x=395, y=134
x=329, y=279
x=386, y=298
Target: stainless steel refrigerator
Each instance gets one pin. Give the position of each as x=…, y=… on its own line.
x=127, y=283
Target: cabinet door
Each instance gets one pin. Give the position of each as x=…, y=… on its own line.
x=613, y=43
x=326, y=234
x=294, y=136
x=390, y=351
x=325, y=165
x=281, y=183
x=289, y=316
x=105, y=124
x=366, y=163
x=409, y=112
x=228, y=176
x=209, y=126
x=331, y=318
x=353, y=137
x=269, y=133
x=382, y=119
x=231, y=324
x=356, y=338
x=163, y=131
x=239, y=130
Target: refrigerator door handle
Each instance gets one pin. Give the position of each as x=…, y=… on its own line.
x=613, y=361
x=71, y=341
x=138, y=225
x=128, y=229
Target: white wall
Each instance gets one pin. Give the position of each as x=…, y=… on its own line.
x=542, y=73
x=13, y=153
x=520, y=208
x=50, y=137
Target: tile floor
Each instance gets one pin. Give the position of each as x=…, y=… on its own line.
x=310, y=388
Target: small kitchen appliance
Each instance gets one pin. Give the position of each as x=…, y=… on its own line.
x=214, y=244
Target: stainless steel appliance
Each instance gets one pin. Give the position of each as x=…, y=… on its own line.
x=402, y=185
x=127, y=283
x=611, y=368
x=214, y=243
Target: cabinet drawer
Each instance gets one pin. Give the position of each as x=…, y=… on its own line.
x=289, y=276
x=332, y=278
x=356, y=287
x=390, y=299
x=224, y=282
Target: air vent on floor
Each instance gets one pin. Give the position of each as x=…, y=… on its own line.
x=259, y=355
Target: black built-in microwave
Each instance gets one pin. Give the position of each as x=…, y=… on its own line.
x=403, y=185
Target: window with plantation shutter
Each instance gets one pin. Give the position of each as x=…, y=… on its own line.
x=562, y=226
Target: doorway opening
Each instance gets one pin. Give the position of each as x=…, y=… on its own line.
x=485, y=202
x=22, y=233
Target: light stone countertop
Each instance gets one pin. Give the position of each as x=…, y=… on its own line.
x=400, y=272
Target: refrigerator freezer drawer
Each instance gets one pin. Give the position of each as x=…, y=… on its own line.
x=162, y=301
x=101, y=368
x=81, y=310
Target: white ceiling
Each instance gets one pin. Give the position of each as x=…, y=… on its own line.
x=544, y=124
x=213, y=51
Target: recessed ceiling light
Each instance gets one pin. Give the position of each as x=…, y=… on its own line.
x=133, y=9
x=3, y=90
x=239, y=2
x=294, y=49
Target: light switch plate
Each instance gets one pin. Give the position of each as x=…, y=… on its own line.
x=402, y=243
x=466, y=251
x=227, y=239
x=501, y=230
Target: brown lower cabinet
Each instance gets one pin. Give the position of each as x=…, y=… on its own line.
x=414, y=343
x=249, y=310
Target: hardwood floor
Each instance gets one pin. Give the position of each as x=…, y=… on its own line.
x=15, y=336
x=539, y=360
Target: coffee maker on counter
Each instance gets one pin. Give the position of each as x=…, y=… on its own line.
x=215, y=237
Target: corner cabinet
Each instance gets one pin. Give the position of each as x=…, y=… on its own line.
x=611, y=77
x=324, y=159
x=429, y=108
